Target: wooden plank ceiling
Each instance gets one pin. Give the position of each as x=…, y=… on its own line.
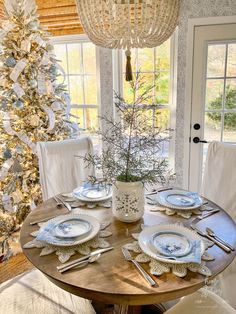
x=59, y=16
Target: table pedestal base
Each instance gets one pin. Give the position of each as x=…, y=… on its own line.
x=102, y=308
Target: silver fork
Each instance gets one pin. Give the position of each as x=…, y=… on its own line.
x=146, y=276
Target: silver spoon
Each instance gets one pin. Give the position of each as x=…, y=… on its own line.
x=91, y=259
x=212, y=233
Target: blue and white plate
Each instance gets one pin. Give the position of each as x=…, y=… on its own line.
x=72, y=227
x=171, y=243
x=179, y=199
x=93, y=193
x=47, y=231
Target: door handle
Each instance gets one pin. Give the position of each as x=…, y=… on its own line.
x=197, y=140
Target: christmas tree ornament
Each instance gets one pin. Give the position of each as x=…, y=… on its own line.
x=19, y=104
x=7, y=153
x=33, y=25
x=16, y=167
x=33, y=83
x=34, y=120
x=10, y=62
x=3, y=105
x=7, y=223
x=53, y=69
x=19, y=149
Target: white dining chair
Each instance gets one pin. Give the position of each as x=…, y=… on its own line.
x=202, y=302
x=219, y=180
x=33, y=293
x=219, y=185
x=61, y=167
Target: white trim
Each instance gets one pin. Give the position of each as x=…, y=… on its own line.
x=69, y=39
x=192, y=23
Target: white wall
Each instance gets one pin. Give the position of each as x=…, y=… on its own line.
x=191, y=9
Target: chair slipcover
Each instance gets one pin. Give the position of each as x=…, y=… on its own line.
x=59, y=167
x=202, y=302
x=33, y=293
x=219, y=185
x=219, y=181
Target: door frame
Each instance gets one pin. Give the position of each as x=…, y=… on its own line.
x=192, y=23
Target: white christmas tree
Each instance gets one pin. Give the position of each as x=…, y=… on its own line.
x=33, y=107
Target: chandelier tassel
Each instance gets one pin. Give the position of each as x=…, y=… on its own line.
x=128, y=75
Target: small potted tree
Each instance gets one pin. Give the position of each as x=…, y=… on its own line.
x=130, y=156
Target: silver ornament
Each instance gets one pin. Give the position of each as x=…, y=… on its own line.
x=10, y=62
x=33, y=83
x=33, y=25
x=19, y=104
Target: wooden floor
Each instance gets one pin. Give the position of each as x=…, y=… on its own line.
x=16, y=265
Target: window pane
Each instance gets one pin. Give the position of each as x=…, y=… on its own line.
x=74, y=58
x=162, y=118
x=230, y=94
x=127, y=94
x=163, y=56
x=216, y=60
x=229, y=127
x=162, y=88
x=76, y=89
x=89, y=58
x=90, y=88
x=214, y=94
x=60, y=52
x=231, y=62
x=77, y=112
x=212, y=130
x=148, y=79
x=91, y=118
x=146, y=60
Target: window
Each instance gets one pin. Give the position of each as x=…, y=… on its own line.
x=78, y=59
x=156, y=67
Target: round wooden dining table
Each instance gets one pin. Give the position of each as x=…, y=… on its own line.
x=112, y=279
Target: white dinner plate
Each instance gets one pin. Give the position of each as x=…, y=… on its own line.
x=92, y=193
x=71, y=228
x=179, y=199
x=46, y=232
x=153, y=242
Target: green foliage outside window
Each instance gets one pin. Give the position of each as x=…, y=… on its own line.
x=230, y=103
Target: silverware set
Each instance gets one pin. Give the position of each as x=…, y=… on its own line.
x=83, y=261
x=210, y=234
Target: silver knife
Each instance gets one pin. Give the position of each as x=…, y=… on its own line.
x=204, y=234
x=73, y=263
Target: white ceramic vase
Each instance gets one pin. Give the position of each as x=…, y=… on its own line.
x=128, y=201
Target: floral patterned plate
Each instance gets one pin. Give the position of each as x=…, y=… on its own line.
x=92, y=193
x=46, y=232
x=72, y=227
x=178, y=199
x=171, y=243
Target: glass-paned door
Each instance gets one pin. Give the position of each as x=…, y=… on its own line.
x=213, y=94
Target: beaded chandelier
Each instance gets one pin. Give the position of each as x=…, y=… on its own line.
x=126, y=24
